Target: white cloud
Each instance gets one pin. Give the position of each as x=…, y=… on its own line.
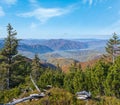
x=44, y=14
x=9, y=2
x=33, y=25
x=1, y=12
x=34, y=3
x=109, y=7
x=88, y=1
x=91, y=2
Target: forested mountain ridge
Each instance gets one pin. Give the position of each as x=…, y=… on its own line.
x=62, y=44
x=57, y=44
x=34, y=48
x=66, y=44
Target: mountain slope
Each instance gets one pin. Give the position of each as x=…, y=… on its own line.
x=62, y=44
x=34, y=48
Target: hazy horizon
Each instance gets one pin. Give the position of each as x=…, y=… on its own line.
x=61, y=38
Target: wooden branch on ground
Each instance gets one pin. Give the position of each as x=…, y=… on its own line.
x=29, y=98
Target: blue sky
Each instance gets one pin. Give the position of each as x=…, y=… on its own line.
x=54, y=19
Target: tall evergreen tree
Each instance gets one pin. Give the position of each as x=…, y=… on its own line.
x=112, y=47
x=113, y=79
x=36, y=67
x=9, y=51
x=79, y=81
x=68, y=81
x=99, y=74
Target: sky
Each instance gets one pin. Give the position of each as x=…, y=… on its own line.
x=60, y=19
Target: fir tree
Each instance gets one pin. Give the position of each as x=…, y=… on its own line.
x=113, y=79
x=112, y=47
x=79, y=81
x=36, y=67
x=9, y=51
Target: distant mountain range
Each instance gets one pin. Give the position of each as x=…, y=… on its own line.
x=57, y=44
x=77, y=49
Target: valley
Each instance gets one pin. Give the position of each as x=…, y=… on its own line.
x=77, y=49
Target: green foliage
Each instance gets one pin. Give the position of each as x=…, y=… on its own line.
x=79, y=80
x=99, y=75
x=113, y=46
x=21, y=69
x=3, y=76
x=73, y=67
x=60, y=97
x=2, y=96
x=68, y=81
x=113, y=79
x=89, y=78
x=113, y=41
x=9, y=95
x=79, y=83
x=51, y=77
x=36, y=70
x=9, y=51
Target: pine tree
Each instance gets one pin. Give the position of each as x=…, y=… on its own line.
x=73, y=67
x=112, y=47
x=9, y=51
x=113, y=79
x=99, y=75
x=36, y=67
x=68, y=81
x=79, y=81
x=3, y=76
